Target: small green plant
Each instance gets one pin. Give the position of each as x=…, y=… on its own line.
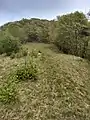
x=26, y=72
x=8, y=94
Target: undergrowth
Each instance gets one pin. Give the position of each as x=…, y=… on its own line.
x=21, y=53
x=8, y=94
x=27, y=72
x=24, y=72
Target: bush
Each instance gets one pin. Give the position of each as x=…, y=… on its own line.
x=9, y=44
x=8, y=94
x=27, y=72
x=70, y=38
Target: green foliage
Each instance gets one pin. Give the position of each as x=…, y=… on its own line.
x=69, y=33
x=28, y=71
x=8, y=94
x=17, y=31
x=37, y=30
x=9, y=44
x=21, y=53
x=88, y=51
x=69, y=38
x=33, y=30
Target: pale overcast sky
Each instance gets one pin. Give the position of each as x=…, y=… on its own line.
x=11, y=10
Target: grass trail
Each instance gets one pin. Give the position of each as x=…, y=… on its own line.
x=62, y=91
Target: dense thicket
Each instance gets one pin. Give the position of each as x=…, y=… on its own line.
x=9, y=44
x=70, y=33
x=33, y=30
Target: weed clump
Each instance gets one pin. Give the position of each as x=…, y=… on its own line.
x=27, y=71
x=8, y=94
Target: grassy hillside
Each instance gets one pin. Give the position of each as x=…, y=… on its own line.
x=61, y=92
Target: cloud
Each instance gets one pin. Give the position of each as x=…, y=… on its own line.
x=33, y=5
x=24, y=5
x=20, y=6
x=16, y=9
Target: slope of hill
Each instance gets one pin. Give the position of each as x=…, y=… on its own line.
x=62, y=91
x=70, y=33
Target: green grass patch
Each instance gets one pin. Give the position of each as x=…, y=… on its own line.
x=27, y=71
x=8, y=94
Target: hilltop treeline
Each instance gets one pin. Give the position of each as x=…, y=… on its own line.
x=70, y=33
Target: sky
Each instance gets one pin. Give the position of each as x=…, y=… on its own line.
x=11, y=10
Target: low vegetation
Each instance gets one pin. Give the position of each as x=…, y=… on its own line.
x=21, y=53
x=45, y=69
x=8, y=94
x=70, y=33
x=27, y=72
x=23, y=72
x=58, y=89
x=9, y=44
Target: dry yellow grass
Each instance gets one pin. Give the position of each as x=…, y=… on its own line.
x=60, y=93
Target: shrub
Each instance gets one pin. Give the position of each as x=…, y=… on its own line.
x=9, y=44
x=69, y=34
x=8, y=94
x=27, y=72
